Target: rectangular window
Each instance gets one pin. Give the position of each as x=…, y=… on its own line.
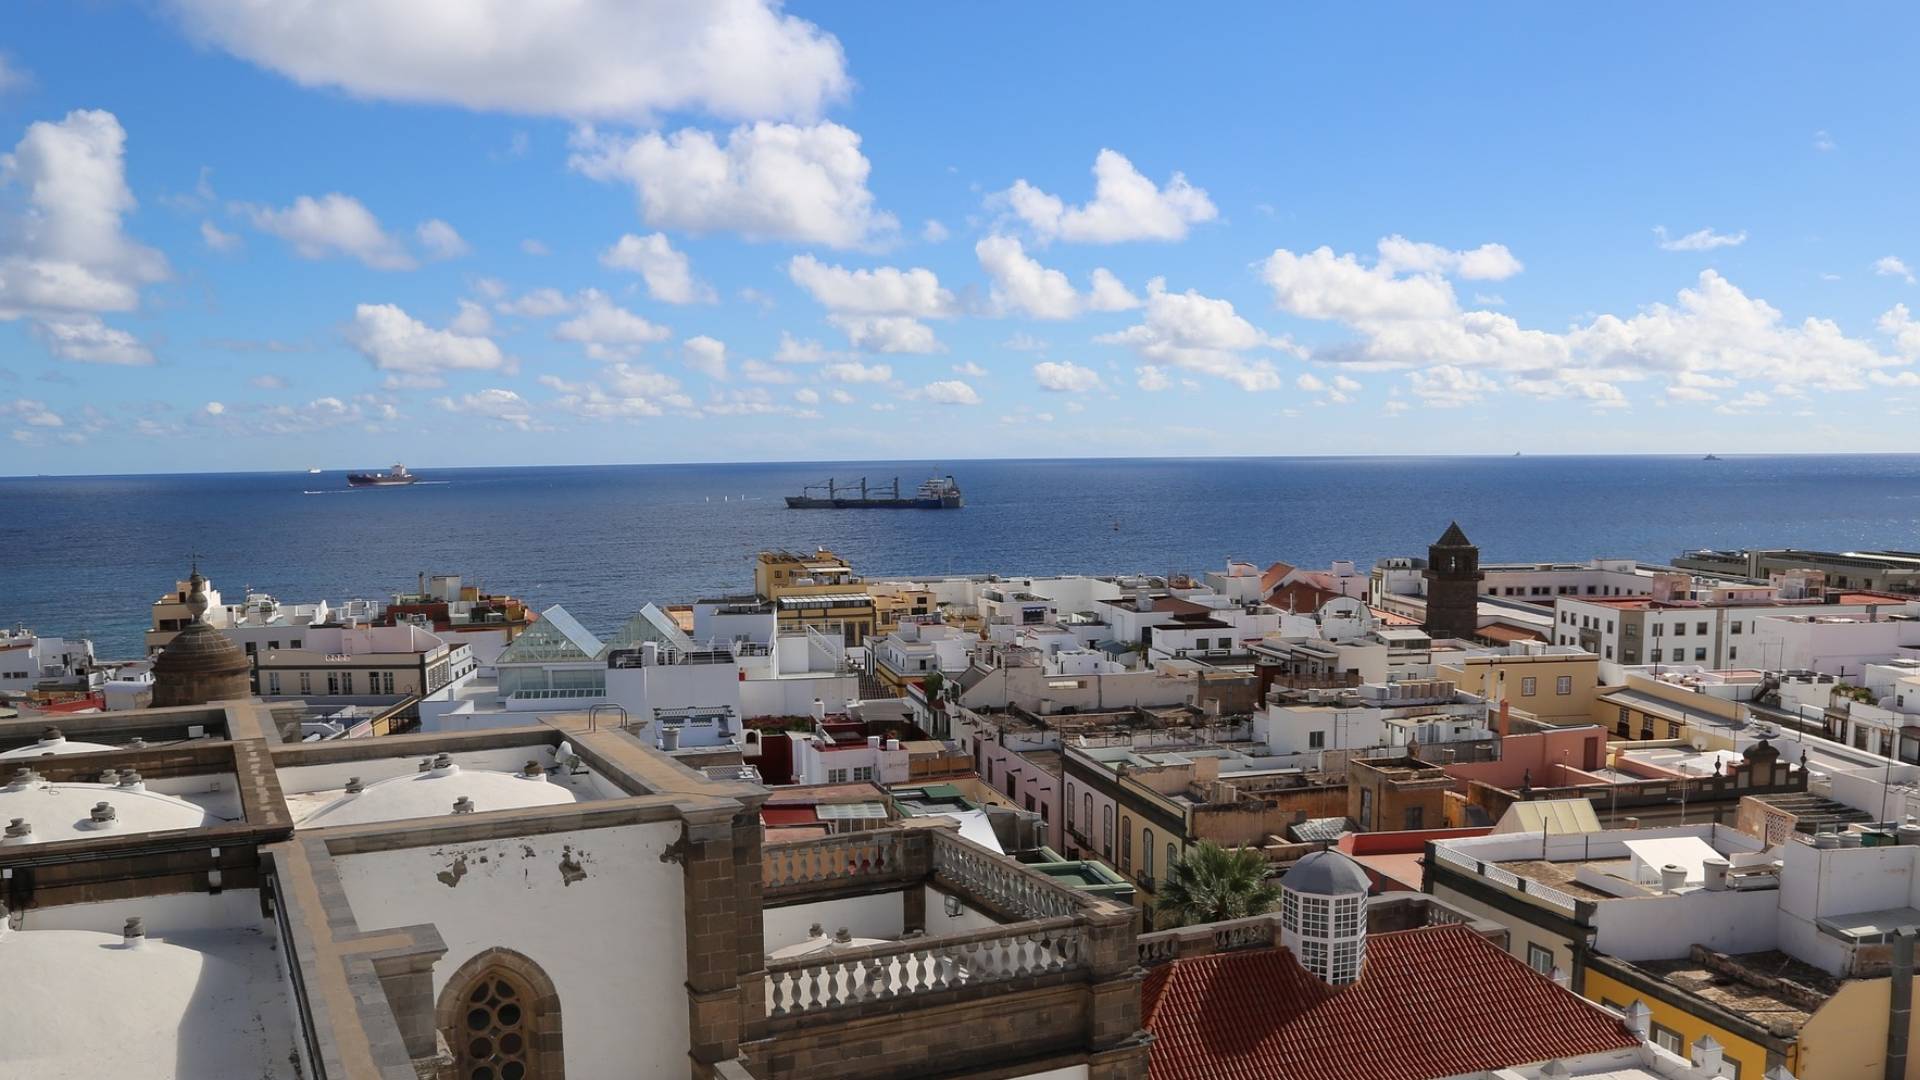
x=333, y=682
x=346, y=682
x=1679, y=629
x=1414, y=818
x=1733, y=652
x=294, y=644
x=1540, y=959
x=1669, y=1040
x=1659, y=629
x=1700, y=628
x=387, y=679
x=1563, y=685
x=1316, y=740
x=1609, y=626
x=1656, y=656
x=1699, y=654
x=273, y=682
x=1527, y=686
x=862, y=772
x=1632, y=630
x=836, y=776
x=1733, y=627
x=306, y=682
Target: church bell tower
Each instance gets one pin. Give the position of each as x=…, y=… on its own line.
x=1453, y=586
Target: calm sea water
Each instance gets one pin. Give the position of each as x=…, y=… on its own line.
x=86, y=555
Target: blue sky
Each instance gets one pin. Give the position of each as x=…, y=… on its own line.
x=450, y=232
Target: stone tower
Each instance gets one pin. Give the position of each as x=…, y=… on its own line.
x=200, y=664
x=1453, y=586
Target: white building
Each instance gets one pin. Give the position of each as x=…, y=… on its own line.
x=28, y=659
x=1321, y=728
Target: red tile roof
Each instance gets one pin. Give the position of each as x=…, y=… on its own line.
x=1432, y=1002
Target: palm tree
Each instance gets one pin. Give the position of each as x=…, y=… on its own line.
x=1210, y=883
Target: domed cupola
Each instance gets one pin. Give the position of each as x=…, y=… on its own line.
x=1323, y=915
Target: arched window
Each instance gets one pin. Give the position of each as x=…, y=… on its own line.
x=1126, y=843
x=501, y=1019
x=1086, y=819
x=1106, y=832
x=1146, y=854
x=1173, y=856
x=1069, y=805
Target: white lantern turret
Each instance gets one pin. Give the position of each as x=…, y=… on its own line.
x=1323, y=916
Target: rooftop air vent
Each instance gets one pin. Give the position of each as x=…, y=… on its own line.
x=19, y=831
x=134, y=934
x=463, y=805
x=354, y=786
x=103, y=815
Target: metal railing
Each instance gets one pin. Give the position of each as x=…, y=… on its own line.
x=1493, y=872
x=880, y=973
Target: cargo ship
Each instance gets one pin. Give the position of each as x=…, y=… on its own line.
x=398, y=476
x=938, y=493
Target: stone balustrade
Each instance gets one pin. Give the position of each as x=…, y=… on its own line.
x=1255, y=932
x=881, y=973
x=1001, y=882
x=852, y=858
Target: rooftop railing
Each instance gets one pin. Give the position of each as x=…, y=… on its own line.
x=1498, y=874
x=811, y=869
x=882, y=973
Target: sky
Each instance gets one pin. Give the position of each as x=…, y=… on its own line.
x=278, y=234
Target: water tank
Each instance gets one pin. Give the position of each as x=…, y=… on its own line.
x=1672, y=877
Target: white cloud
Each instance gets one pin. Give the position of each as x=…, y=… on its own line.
x=1751, y=401
x=766, y=182
x=1322, y=285
x=333, y=224
x=630, y=381
x=950, y=392
x=85, y=339
x=1310, y=383
x=887, y=333
x=1125, y=206
x=538, y=304
x=397, y=342
x=841, y=397
x=883, y=290
x=1024, y=342
x=1203, y=334
x=1699, y=240
x=806, y=396
x=1065, y=377
x=1022, y=285
x=505, y=406
x=610, y=59
x=12, y=75
x=218, y=239
x=1153, y=378
x=31, y=413
x=762, y=372
x=1892, y=266
x=668, y=274
x=852, y=371
x=970, y=369
x=64, y=256
x=1445, y=386
x=441, y=240
x=534, y=247
x=267, y=382
x=607, y=330
x=473, y=320
x=1899, y=325
x=799, y=351
x=706, y=356
x=933, y=232
x=1488, y=262
x=1109, y=293
x=1346, y=385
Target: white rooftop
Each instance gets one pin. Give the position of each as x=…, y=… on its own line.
x=202, y=1003
x=435, y=793
x=67, y=811
x=49, y=747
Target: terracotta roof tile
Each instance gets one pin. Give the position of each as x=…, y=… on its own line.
x=1433, y=1002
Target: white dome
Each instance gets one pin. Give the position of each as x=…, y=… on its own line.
x=433, y=793
x=156, y=1009
x=55, y=745
x=64, y=811
x=1326, y=873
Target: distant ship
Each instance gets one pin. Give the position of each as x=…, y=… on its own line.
x=938, y=493
x=398, y=476
x=1711, y=457
x=313, y=472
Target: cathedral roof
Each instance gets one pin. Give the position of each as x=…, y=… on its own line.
x=434, y=792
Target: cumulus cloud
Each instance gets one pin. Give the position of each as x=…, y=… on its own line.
x=1447, y=386
x=1698, y=240
x=1413, y=320
x=1488, y=262
x=762, y=372
x=505, y=406
x=950, y=392
x=441, y=240
x=887, y=333
x=32, y=413
x=1065, y=377
x=65, y=257
x=608, y=331
x=764, y=181
x=706, y=356
x=970, y=369
x=473, y=320
x=933, y=232
x=852, y=371
x=668, y=274
x=535, y=247
x=610, y=59
x=807, y=396
x=1152, y=378
x=395, y=341
x=12, y=75
x=1125, y=206
x=794, y=350
x=1021, y=285
x=1203, y=334
x=883, y=290
x=218, y=239
x=537, y=304
x=333, y=224
x=1893, y=266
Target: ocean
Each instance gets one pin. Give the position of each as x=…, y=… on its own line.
x=86, y=556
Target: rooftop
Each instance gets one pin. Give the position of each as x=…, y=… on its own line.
x=1437, y=1001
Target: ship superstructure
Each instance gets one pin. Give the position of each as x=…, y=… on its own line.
x=936, y=493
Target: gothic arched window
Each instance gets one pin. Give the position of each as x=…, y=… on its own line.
x=501, y=1019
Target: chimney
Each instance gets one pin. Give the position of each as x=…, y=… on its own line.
x=134, y=934
x=669, y=737
x=1672, y=878
x=819, y=711
x=463, y=805
x=1640, y=1020
x=1716, y=871
x=1707, y=1055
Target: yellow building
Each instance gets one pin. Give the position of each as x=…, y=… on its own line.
x=819, y=591
x=1650, y=708
x=1554, y=684
x=896, y=600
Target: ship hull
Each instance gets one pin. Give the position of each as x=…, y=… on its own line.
x=378, y=481
x=804, y=502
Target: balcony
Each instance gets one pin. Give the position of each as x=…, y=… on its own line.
x=944, y=949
